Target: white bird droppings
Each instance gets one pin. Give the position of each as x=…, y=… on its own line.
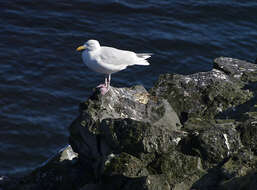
x=176, y=140
x=226, y=142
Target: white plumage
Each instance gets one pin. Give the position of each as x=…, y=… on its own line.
x=109, y=60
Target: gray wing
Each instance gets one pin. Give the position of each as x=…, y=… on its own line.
x=120, y=58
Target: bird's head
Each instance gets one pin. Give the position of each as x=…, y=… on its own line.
x=90, y=45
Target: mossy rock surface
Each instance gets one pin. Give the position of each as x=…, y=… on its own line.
x=240, y=164
x=135, y=137
x=248, y=134
x=178, y=168
x=206, y=94
x=126, y=165
x=212, y=144
x=238, y=69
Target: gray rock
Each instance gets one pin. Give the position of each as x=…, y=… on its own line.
x=236, y=68
x=237, y=172
x=239, y=164
x=204, y=95
x=124, y=120
x=180, y=170
x=126, y=165
x=248, y=133
x=212, y=144
x=134, y=103
x=136, y=137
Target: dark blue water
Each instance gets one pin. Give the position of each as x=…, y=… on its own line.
x=42, y=78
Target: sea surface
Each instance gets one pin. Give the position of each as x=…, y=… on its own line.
x=43, y=80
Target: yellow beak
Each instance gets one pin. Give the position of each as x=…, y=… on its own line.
x=81, y=48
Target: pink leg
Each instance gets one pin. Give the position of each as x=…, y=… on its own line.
x=104, y=87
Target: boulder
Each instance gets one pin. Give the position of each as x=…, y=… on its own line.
x=237, y=69
x=180, y=170
x=213, y=144
x=240, y=164
x=125, y=120
x=236, y=172
x=126, y=165
x=248, y=133
x=205, y=94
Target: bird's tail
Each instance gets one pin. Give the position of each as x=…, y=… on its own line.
x=143, y=57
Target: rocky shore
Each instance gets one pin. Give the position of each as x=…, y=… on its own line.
x=195, y=132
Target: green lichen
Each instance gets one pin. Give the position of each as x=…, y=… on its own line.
x=127, y=134
x=251, y=115
x=235, y=167
x=248, y=134
x=177, y=167
x=249, y=77
x=220, y=97
x=189, y=99
x=131, y=137
x=126, y=165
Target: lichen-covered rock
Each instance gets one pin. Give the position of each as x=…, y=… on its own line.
x=212, y=144
x=180, y=170
x=134, y=103
x=135, y=137
x=236, y=68
x=173, y=169
x=239, y=164
x=248, y=133
x=124, y=120
x=126, y=165
x=231, y=173
x=205, y=94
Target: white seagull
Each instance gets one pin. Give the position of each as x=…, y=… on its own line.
x=108, y=60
